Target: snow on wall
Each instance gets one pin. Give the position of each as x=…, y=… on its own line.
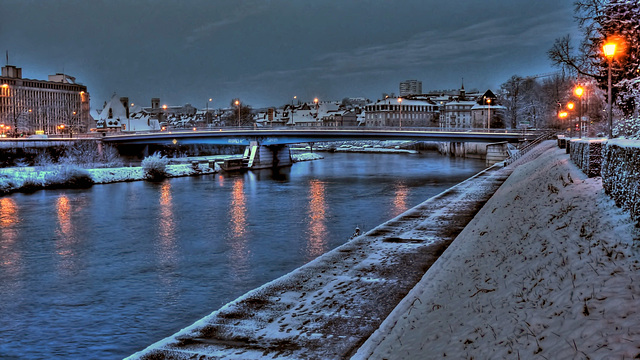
x=621, y=174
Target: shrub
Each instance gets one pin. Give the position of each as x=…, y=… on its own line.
x=6, y=185
x=31, y=184
x=69, y=176
x=628, y=127
x=155, y=166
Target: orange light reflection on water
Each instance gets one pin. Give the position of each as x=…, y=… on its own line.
x=167, y=226
x=238, y=228
x=10, y=259
x=317, y=241
x=401, y=192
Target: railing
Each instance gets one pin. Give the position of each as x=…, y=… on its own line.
x=545, y=135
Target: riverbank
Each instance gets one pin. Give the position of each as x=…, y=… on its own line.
x=547, y=269
x=41, y=177
x=327, y=308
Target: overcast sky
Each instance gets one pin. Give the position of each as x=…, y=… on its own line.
x=266, y=52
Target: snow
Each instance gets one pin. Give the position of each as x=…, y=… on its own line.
x=547, y=269
x=306, y=157
x=625, y=143
x=19, y=176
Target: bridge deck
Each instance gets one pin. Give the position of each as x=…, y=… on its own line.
x=290, y=136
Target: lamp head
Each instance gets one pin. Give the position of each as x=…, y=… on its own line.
x=609, y=49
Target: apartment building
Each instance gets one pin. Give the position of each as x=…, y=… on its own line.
x=29, y=106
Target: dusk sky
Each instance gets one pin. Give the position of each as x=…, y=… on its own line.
x=266, y=52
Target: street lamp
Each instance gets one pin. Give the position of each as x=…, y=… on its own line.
x=488, y=114
x=317, y=108
x=609, y=50
x=238, y=105
x=400, y=104
x=579, y=91
x=570, y=106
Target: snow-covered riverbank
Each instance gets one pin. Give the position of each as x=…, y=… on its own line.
x=34, y=177
x=547, y=269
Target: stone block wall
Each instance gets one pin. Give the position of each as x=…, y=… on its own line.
x=587, y=155
x=621, y=174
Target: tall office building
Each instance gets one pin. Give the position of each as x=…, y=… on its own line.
x=29, y=106
x=410, y=87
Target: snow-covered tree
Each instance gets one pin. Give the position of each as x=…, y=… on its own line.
x=601, y=21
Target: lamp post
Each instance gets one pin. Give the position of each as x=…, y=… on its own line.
x=488, y=114
x=579, y=91
x=400, y=104
x=238, y=105
x=609, y=51
x=570, y=106
x=317, y=108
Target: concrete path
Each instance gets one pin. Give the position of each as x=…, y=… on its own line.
x=329, y=307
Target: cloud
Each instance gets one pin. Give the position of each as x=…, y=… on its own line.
x=480, y=42
x=237, y=13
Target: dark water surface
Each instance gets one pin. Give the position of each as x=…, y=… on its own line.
x=104, y=272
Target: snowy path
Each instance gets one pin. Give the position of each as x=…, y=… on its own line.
x=329, y=307
x=548, y=269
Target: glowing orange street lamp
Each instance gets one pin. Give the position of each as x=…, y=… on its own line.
x=400, y=104
x=488, y=114
x=238, y=105
x=579, y=91
x=317, y=107
x=609, y=50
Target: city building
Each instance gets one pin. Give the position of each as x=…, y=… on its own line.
x=396, y=112
x=487, y=113
x=410, y=87
x=119, y=115
x=29, y=106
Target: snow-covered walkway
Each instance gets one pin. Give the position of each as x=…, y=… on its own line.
x=547, y=269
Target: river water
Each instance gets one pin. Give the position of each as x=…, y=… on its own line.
x=103, y=272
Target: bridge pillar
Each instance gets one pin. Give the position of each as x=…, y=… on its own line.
x=497, y=152
x=269, y=156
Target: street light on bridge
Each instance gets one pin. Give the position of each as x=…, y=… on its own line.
x=238, y=105
x=400, y=104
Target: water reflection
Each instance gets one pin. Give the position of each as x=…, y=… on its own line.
x=167, y=227
x=317, y=242
x=400, y=195
x=66, y=241
x=166, y=248
x=238, y=228
x=10, y=261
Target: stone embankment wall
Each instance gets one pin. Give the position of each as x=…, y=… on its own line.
x=621, y=174
x=618, y=162
x=587, y=155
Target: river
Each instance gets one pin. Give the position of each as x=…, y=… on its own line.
x=104, y=272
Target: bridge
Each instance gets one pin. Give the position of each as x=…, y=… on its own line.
x=293, y=136
x=267, y=148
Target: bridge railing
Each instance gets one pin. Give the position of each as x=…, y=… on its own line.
x=326, y=128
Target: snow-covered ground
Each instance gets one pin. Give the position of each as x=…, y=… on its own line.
x=549, y=269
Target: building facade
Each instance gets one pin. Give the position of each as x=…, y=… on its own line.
x=410, y=87
x=55, y=106
x=401, y=113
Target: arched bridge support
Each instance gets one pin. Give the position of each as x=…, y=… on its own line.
x=268, y=156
